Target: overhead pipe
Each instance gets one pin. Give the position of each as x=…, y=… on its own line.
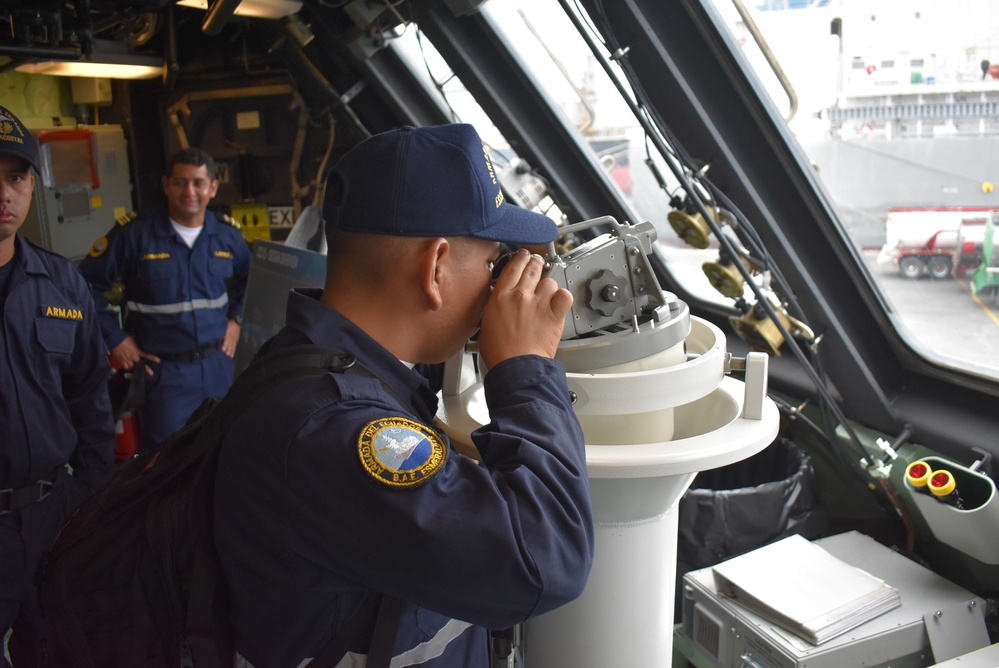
x=40, y=53
x=172, y=69
x=313, y=85
x=85, y=31
x=219, y=14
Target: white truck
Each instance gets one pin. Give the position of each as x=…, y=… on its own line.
x=937, y=242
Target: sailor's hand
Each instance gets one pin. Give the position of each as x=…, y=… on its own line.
x=128, y=353
x=525, y=314
x=231, y=338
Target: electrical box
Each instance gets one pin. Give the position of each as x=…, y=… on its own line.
x=717, y=632
x=84, y=186
x=90, y=90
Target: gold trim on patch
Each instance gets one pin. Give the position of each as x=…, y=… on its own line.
x=399, y=452
x=99, y=247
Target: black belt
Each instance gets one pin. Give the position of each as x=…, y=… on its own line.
x=195, y=355
x=15, y=499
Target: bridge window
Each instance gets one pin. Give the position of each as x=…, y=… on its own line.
x=917, y=200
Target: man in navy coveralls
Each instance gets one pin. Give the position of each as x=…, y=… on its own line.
x=183, y=273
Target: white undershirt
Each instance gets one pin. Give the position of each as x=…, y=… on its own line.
x=188, y=234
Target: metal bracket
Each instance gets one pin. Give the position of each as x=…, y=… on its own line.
x=956, y=630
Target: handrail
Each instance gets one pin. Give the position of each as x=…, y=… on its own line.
x=768, y=54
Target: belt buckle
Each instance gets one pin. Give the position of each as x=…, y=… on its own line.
x=6, y=500
x=203, y=352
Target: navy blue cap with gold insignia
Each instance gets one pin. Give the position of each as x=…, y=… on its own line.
x=434, y=181
x=16, y=140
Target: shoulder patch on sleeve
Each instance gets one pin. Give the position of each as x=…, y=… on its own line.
x=98, y=247
x=229, y=220
x=126, y=217
x=399, y=452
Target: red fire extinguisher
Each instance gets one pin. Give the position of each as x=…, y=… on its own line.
x=126, y=436
x=126, y=428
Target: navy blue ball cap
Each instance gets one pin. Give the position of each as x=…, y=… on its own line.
x=433, y=181
x=15, y=139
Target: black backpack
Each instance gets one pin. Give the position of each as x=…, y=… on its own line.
x=133, y=579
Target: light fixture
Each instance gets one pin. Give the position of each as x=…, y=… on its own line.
x=99, y=66
x=260, y=9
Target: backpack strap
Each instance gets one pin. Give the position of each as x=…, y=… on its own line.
x=287, y=363
x=275, y=368
x=389, y=610
x=383, y=638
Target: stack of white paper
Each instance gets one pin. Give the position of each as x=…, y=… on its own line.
x=801, y=587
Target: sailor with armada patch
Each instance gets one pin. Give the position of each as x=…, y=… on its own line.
x=334, y=489
x=54, y=407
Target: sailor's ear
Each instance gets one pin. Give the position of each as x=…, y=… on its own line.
x=432, y=267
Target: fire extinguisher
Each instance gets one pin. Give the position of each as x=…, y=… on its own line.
x=126, y=436
x=127, y=394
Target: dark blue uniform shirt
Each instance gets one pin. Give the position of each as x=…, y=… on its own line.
x=178, y=299
x=54, y=405
x=307, y=521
